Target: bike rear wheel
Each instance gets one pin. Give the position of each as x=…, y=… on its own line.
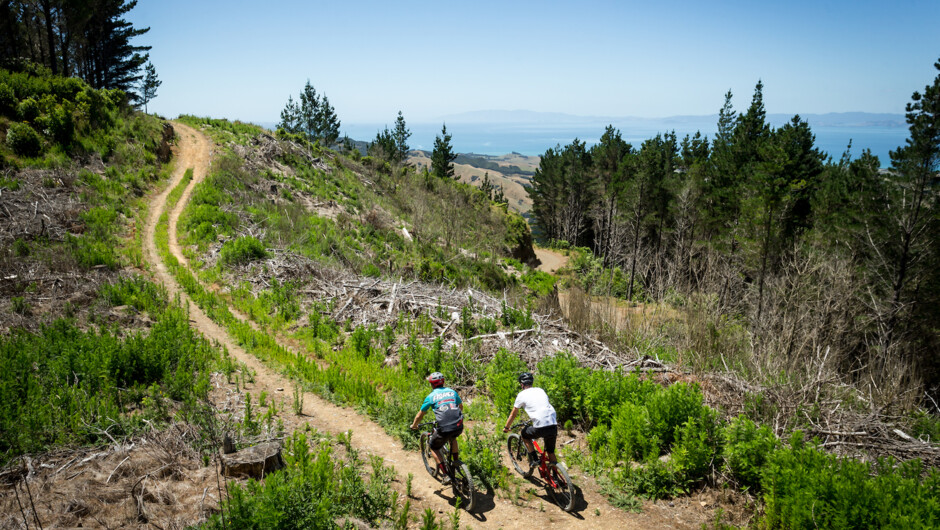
x=463, y=487
x=561, y=487
x=518, y=455
x=427, y=455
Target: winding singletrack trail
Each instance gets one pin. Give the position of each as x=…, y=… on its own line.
x=194, y=151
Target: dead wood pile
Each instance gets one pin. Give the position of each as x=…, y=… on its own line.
x=266, y=153
x=378, y=302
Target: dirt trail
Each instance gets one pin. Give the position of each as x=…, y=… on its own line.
x=551, y=260
x=194, y=152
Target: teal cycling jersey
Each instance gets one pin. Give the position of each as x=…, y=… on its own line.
x=446, y=405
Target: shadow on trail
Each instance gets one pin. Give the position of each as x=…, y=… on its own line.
x=544, y=493
x=483, y=501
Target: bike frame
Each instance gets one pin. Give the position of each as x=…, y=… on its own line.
x=543, y=465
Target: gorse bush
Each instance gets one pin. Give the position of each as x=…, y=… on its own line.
x=807, y=488
x=502, y=379
x=242, y=250
x=745, y=449
x=24, y=140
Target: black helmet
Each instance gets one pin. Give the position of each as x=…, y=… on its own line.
x=526, y=379
x=436, y=379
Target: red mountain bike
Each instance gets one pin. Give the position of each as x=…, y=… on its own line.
x=555, y=477
x=460, y=478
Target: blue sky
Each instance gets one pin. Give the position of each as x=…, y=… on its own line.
x=241, y=60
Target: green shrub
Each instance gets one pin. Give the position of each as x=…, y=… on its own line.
x=746, y=448
x=65, y=385
x=89, y=252
x=632, y=435
x=671, y=408
x=516, y=318
x=541, y=283
x=481, y=449
x=7, y=100
x=20, y=248
x=313, y=491
x=242, y=250
x=371, y=270
x=502, y=379
x=320, y=326
x=807, y=488
x=694, y=451
x=926, y=426
x=28, y=110
x=23, y=140
x=20, y=306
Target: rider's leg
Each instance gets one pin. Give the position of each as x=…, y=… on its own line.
x=454, y=449
x=435, y=451
x=530, y=447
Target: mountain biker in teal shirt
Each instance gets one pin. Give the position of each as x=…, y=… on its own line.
x=448, y=412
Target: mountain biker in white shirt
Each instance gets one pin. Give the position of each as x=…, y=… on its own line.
x=544, y=420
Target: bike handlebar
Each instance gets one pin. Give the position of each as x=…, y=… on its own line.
x=519, y=424
x=427, y=424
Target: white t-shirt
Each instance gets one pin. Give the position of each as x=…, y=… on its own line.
x=535, y=402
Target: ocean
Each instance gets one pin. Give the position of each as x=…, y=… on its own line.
x=535, y=138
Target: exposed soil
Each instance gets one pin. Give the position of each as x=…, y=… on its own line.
x=551, y=260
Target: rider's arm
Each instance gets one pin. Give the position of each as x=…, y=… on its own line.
x=418, y=416
x=512, y=416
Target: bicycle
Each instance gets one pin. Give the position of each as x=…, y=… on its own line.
x=555, y=477
x=460, y=478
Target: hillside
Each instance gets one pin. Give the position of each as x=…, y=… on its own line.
x=513, y=172
x=259, y=288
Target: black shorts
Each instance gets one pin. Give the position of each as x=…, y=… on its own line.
x=438, y=438
x=549, y=434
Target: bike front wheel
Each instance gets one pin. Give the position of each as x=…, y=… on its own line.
x=427, y=455
x=518, y=455
x=463, y=487
x=561, y=487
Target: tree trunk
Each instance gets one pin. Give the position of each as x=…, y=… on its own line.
x=50, y=36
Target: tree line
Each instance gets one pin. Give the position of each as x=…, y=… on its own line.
x=76, y=38
x=767, y=225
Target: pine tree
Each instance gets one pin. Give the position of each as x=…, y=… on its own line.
x=910, y=247
x=291, y=117
x=310, y=112
x=86, y=38
x=546, y=191
x=401, y=136
x=383, y=146
x=327, y=122
x=443, y=156
x=148, y=87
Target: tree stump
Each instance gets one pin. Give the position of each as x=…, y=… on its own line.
x=254, y=462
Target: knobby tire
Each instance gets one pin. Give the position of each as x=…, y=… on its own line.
x=563, y=492
x=464, y=488
x=518, y=455
x=429, y=463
